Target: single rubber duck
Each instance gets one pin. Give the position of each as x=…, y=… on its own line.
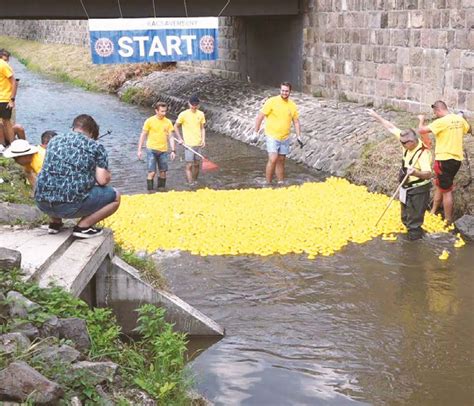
x=444, y=255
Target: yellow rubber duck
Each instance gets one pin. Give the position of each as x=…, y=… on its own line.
x=389, y=237
x=459, y=242
x=444, y=255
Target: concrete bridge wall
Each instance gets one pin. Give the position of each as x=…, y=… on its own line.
x=397, y=53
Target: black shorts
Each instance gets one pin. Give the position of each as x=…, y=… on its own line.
x=445, y=172
x=5, y=111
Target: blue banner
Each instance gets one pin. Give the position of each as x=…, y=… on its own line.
x=132, y=40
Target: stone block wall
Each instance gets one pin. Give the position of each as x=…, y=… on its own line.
x=73, y=32
x=401, y=53
x=228, y=65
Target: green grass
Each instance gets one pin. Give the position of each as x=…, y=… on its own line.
x=14, y=188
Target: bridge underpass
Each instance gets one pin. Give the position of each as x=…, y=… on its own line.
x=269, y=35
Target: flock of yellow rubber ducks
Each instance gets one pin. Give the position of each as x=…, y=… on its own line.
x=312, y=219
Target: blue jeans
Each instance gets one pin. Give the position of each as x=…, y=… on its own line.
x=155, y=158
x=98, y=197
x=278, y=147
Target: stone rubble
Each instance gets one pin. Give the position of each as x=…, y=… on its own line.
x=9, y=259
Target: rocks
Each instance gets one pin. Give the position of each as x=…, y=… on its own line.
x=75, y=329
x=11, y=343
x=19, y=305
x=465, y=225
x=54, y=354
x=97, y=372
x=12, y=212
x=20, y=382
x=3, y=308
x=50, y=328
x=9, y=259
x=26, y=328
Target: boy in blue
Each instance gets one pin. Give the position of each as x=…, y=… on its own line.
x=73, y=180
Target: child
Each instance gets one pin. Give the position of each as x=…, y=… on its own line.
x=158, y=130
x=28, y=156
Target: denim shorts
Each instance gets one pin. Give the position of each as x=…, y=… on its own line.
x=190, y=156
x=154, y=158
x=98, y=197
x=277, y=146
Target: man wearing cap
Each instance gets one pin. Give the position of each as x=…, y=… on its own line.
x=7, y=95
x=449, y=130
x=73, y=182
x=28, y=156
x=192, y=121
x=279, y=112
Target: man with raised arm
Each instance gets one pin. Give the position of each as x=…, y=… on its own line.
x=415, y=192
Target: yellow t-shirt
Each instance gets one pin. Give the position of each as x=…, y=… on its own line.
x=191, y=123
x=37, y=161
x=449, y=131
x=6, y=72
x=421, y=161
x=279, y=114
x=158, y=131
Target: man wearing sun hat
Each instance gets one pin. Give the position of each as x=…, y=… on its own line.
x=28, y=156
x=192, y=121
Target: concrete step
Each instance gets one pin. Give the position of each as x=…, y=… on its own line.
x=38, y=248
x=76, y=266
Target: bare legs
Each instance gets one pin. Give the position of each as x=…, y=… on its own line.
x=275, y=165
x=192, y=171
x=446, y=200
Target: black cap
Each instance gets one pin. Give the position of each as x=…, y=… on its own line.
x=194, y=100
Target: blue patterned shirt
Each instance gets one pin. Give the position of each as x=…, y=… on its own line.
x=68, y=172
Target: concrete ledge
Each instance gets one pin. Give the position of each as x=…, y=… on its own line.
x=121, y=289
x=77, y=265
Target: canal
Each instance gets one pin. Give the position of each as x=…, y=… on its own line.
x=378, y=323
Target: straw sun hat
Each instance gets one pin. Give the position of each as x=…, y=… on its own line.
x=19, y=148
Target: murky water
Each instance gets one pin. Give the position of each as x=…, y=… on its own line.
x=379, y=323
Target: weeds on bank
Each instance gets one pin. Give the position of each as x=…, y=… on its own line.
x=13, y=187
x=145, y=265
x=154, y=363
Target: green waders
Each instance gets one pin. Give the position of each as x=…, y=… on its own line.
x=413, y=212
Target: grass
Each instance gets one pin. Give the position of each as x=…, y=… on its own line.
x=13, y=188
x=145, y=265
x=72, y=64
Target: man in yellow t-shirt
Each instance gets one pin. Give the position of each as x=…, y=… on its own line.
x=192, y=122
x=7, y=95
x=279, y=112
x=449, y=130
x=158, y=131
x=415, y=191
x=28, y=156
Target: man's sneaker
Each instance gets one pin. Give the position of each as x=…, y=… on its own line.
x=86, y=232
x=54, y=228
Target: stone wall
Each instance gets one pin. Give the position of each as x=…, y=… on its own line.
x=74, y=32
x=402, y=53
x=229, y=42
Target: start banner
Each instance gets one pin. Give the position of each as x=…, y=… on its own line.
x=130, y=40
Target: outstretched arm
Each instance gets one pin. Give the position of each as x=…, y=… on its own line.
x=387, y=124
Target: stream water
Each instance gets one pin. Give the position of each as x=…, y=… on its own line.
x=378, y=323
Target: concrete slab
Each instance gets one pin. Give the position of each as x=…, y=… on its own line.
x=38, y=248
x=77, y=265
x=121, y=289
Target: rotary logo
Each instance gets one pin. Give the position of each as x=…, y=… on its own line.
x=104, y=47
x=206, y=44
